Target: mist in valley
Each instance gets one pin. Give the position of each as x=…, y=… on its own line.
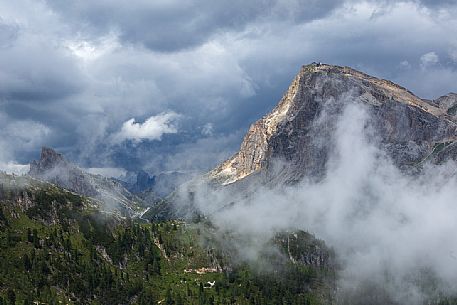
x=393, y=232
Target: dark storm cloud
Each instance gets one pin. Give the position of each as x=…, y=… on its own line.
x=438, y=3
x=8, y=34
x=174, y=25
x=35, y=70
x=81, y=73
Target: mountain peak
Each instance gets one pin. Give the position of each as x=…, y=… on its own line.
x=49, y=159
x=408, y=126
x=53, y=167
x=386, y=87
x=50, y=156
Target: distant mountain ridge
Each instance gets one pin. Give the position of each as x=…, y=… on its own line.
x=144, y=184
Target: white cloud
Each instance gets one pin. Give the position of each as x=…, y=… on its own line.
x=208, y=129
x=152, y=129
x=26, y=134
x=91, y=50
x=429, y=59
x=20, y=135
x=405, y=64
x=453, y=54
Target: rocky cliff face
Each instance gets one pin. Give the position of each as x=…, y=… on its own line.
x=299, y=129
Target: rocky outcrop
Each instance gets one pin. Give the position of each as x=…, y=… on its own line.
x=141, y=182
x=303, y=248
x=49, y=159
x=153, y=187
x=53, y=167
x=448, y=103
x=299, y=129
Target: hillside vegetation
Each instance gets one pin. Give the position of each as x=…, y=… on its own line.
x=58, y=248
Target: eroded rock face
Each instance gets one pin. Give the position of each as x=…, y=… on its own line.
x=299, y=130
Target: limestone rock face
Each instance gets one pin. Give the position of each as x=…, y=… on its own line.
x=299, y=129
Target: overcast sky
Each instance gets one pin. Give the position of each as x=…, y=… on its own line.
x=174, y=84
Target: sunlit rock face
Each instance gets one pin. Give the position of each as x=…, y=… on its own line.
x=295, y=140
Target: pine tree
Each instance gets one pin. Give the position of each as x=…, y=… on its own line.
x=36, y=239
x=9, y=239
x=201, y=295
x=168, y=297
x=189, y=292
x=3, y=217
x=29, y=235
x=156, y=267
x=27, y=263
x=11, y=296
x=211, y=300
x=179, y=300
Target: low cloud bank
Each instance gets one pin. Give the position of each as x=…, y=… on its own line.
x=394, y=234
x=14, y=168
